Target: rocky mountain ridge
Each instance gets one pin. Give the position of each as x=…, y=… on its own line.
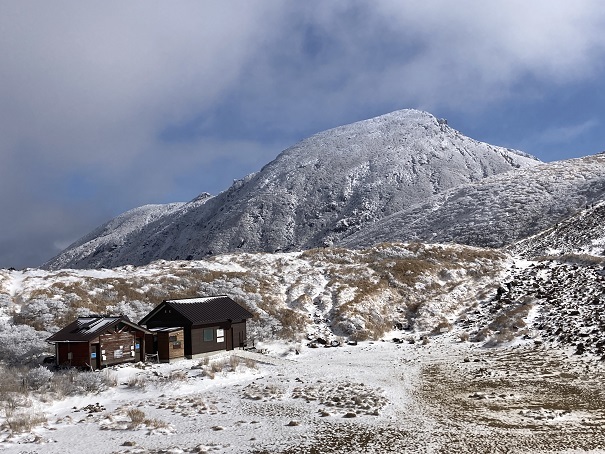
x=582, y=233
x=316, y=193
x=498, y=211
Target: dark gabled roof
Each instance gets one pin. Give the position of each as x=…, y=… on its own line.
x=85, y=329
x=203, y=310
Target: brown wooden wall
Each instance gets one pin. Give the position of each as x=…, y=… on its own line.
x=171, y=345
x=117, y=348
x=234, y=336
x=80, y=354
x=239, y=334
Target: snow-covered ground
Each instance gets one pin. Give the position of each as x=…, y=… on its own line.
x=496, y=353
x=440, y=396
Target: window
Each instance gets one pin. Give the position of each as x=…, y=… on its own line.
x=208, y=334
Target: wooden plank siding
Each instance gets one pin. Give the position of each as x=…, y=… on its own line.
x=200, y=345
x=73, y=354
x=171, y=345
x=238, y=335
x=98, y=341
x=117, y=348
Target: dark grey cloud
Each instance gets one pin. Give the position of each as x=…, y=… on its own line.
x=104, y=107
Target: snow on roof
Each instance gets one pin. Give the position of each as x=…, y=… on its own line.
x=202, y=299
x=165, y=329
x=86, y=328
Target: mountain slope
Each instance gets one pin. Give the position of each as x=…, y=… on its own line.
x=330, y=291
x=317, y=192
x=499, y=210
x=118, y=233
x=583, y=233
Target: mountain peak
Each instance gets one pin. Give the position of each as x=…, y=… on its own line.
x=316, y=192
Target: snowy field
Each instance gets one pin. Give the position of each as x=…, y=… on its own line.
x=442, y=396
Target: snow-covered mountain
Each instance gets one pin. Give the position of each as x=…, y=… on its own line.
x=498, y=210
x=582, y=233
x=317, y=192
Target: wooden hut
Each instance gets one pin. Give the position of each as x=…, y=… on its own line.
x=99, y=341
x=208, y=324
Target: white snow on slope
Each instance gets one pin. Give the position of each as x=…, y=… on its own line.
x=327, y=292
x=582, y=233
x=114, y=233
x=498, y=210
x=316, y=192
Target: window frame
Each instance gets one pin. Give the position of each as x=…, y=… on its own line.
x=205, y=336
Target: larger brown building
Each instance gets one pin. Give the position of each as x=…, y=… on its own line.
x=194, y=326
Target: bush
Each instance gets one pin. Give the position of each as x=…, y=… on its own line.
x=73, y=382
x=137, y=417
x=21, y=344
x=137, y=381
x=10, y=382
x=38, y=379
x=24, y=421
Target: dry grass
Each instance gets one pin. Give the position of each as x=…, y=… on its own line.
x=24, y=421
x=292, y=322
x=250, y=363
x=552, y=406
x=137, y=417
x=137, y=381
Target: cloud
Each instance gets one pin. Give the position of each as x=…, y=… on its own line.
x=111, y=105
x=567, y=133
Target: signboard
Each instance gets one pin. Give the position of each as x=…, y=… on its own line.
x=93, y=355
x=118, y=353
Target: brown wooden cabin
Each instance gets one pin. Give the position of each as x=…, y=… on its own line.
x=99, y=341
x=208, y=324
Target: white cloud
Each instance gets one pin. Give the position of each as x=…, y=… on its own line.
x=566, y=133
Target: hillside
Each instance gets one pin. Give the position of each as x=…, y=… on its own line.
x=582, y=233
x=315, y=193
x=328, y=292
x=465, y=348
x=480, y=295
x=499, y=210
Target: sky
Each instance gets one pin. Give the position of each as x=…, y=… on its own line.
x=106, y=106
